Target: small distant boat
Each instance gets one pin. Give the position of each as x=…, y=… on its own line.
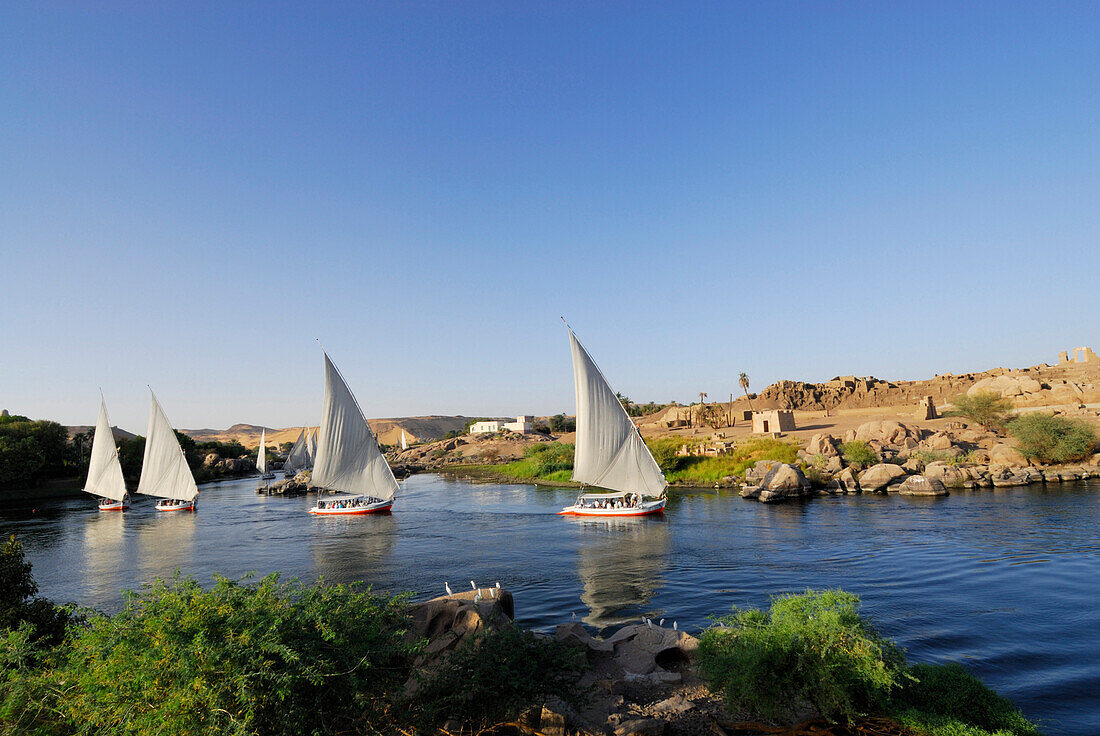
x=349, y=462
x=298, y=459
x=609, y=452
x=164, y=470
x=261, y=458
x=404, y=442
x=104, y=470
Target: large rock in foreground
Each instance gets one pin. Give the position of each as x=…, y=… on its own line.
x=783, y=482
x=919, y=485
x=880, y=477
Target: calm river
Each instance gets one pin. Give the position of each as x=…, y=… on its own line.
x=1006, y=581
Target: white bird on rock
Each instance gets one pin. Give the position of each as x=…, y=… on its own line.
x=661, y=622
x=574, y=615
x=674, y=627
x=448, y=587
x=477, y=598
x=473, y=585
x=498, y=585
x=649, y=623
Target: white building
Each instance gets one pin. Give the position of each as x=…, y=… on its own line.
x=522, y=425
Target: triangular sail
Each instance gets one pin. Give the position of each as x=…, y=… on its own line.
x=104, y=471
x=164, y=470
x=404, y=442
x=298, y=459
x=610, y=453
x=261, y=453
x=311, y=445
x=348, y=458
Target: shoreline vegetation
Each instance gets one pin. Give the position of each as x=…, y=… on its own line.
x=271, y=657
x=39, y=459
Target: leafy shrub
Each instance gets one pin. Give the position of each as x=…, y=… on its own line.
x=18, y=604
x=239, y=659
x=705, y=470
x=811, y=649
x=560, y=424
x=858, y=452
x=496, y=676
x=664, y=452
x=986, y=408
x=1051, y=439
x=544, y=461
x=946, y=700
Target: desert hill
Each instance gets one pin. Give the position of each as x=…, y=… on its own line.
x=120, y=434
x=388, y=431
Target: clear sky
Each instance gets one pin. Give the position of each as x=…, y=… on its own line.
x=192, y=193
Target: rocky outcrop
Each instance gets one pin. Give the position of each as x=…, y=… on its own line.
x=783, y=482
x=844, y=482
x=888, y=432
x=919, y=485
x=878, y=478
x=1003, y=454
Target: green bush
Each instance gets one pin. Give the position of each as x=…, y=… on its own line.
x=238, y=659
x=946, y=700
x=45, y=622
x=1051, y=439
x=496, y=676
x=705, y=470
x=806, y=650
x=544, y=461
x=858, y=452
x=664, y=452
x=986, y=408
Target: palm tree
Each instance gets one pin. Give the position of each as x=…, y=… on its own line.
x=744, y=381
x=702, y=406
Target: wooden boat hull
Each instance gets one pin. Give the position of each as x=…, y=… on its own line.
x=188, y=506
x=376, y=508
x=645, y=509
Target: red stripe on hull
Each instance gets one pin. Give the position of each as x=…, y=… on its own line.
x=606, y=516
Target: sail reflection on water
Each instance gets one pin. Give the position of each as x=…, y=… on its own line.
x=621, y=565
x=104, y=551
x=348, y=549
x=166, y=542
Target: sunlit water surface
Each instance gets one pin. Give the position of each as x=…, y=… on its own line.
x=1006, y=581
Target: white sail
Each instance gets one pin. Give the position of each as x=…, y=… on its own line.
x=104, y=470
x=164, y=471
x=610, y=453
x=261, y=453
x=348, y=458
x=311, y=445
x=404, y=442
x=298, y=459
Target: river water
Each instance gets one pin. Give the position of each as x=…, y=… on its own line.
x=1005, y=581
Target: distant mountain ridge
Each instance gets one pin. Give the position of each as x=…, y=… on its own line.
x=388, y=431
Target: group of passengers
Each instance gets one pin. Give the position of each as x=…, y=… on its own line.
x=174, y=502
x=630, y=501
x=348, y=503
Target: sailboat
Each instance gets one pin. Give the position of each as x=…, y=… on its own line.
x=609, y=453
x=164, y=470
x=104, y=470
x=349, y=462
x=404, y=442
x=298, y=459
x=311, y=445
x=261, y=457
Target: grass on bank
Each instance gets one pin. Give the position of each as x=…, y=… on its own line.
x=814, y=653
x=553, y=461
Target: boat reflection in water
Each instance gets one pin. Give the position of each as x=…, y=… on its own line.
x=621, y=565
x=104, y=553
x=166, y=542
x=346, y=549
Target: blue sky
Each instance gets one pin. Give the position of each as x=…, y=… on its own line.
x=192, y=193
